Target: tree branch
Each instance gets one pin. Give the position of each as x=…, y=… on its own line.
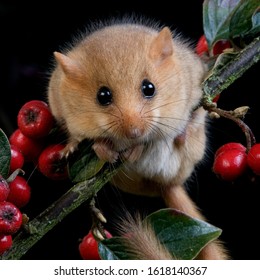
x=48, y=219
x=223, y=77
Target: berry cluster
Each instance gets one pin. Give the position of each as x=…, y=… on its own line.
x=35, y=124
x=232, y=160
x=30, y=142
x=10, y=214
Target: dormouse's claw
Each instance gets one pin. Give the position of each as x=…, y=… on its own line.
x=69, y=149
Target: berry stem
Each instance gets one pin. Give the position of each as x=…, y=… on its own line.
x=250, y=138
x=97, y=221
x=222, y=77
x=14, y=175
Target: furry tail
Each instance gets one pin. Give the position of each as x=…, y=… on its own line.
x=140, y=240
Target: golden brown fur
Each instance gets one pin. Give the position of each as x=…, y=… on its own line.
x=161, y=137
x=140, y=240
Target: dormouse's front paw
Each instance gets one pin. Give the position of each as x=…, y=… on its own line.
x=104, y=150
x=70, y=148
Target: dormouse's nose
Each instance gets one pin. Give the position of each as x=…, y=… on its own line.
x=132, y=124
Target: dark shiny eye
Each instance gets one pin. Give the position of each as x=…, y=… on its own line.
x=104, y=96
x=148, y=89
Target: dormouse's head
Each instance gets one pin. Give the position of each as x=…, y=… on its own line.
x=128, y=83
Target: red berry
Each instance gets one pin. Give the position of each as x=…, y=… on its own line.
x=4, y=189
x=88, y=247
x=10, y=218
x=230, y=164
x=29, y=147
x=6, y=242
x=17, y=159
x=220, y=46
x=202, y=46
x=37, y=102
x=34, y=119
x=230, y=146
x=20, y=192
x=253, y=158
x=52, y=164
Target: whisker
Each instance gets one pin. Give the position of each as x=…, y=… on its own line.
x=167, y=126
x=169, y=103
x=108, y=125
x=118, y=108
x=160, y=133
x=191, y=120
x=102, y=112
x=143, y=107
x=163, y=132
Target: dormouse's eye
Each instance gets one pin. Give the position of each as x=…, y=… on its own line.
x=148, y=89
x=104, y=96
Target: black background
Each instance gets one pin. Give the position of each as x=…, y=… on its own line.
x=30, y=32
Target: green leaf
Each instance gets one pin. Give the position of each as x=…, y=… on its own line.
x=216, y=19
x=230, y=19
x=245, y=19
x=182, y=235
x=255, y=22
x=5, y=154
x=85, y=164
x=112, y=249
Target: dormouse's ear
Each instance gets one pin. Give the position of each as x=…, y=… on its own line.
x=68, y=65
x=161, y=46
